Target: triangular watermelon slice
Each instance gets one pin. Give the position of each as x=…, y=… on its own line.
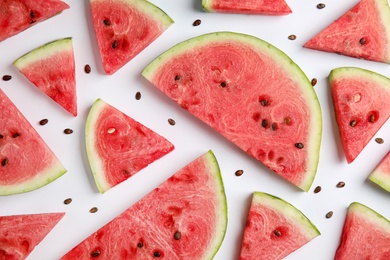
x=361, y=103
x=366, y=235
x=265, y=7
x=26, y=162
x=274, y=229
x=183, y=218
x=118, y=146
x=20, y=234
x=362, y=32
x=19, y=15
x=51, y=67
x=381, y=173
x=250, y=92
x=124, y=28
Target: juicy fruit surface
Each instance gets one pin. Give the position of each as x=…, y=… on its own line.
x=360, y=99
x=274, y=229
x=21, y=233
x=51, y=67
x=366, y=235
x=381, y=174
x=252, y=94
x=20, y=143
x=267, y=7
x=118, y=146
x=124, y=28
x=183, y=218
x=19, y=15
x=362, y=32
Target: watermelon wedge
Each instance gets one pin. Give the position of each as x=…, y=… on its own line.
x=251, y=93
x=20, y=234
x=118, y=146
x=124, y=28
x=265, y=7
x=274, y=229
x=183, y=218
x=381, y=173
x=366, y=235
x=361, y=104
x=19, y=15
x=51, y=67
x=26, y=162
x=362, y=32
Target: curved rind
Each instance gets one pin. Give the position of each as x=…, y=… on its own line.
x=278, y=7
x=381, y=175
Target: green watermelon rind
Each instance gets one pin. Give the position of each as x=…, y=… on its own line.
x=207, y=5
x=289, y=65
x=371, y=215
x=384, y=11
x=380, y=177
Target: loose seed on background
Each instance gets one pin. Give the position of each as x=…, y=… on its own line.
x=239, y=172
x=329, y=214
x=68, y=131
x=93, y=210
x=379, y=140
x=43, y=121
x=138, y=95
x=313, y=82
x=292, y=37
x=321, y=6
x=317, y=189
x=7, y=77
x=171, y=121
x=67, y=201
x=197, y=22
x=87, y=68
x=340, y=184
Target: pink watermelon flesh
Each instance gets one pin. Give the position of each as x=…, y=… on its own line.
x=118, y=146
x=252, y=94
x=274, y=229
x=361, y=104
x=183, y=218
x=51, y=67
x=365, y=235
x=20, y=234
x=266, y=7
x=381, y=174
x=124, y=28
x=27, y=163
x=19, y=15
x=362, y=32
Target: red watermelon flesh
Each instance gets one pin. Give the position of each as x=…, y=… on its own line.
x=124, y=28
x=251, y=93
x=27, y=163
x=362, y=32
x=266, y=7
x=51, y=67
x=366, y=235
x=381, y=173
x=274, y=229
x=183, y=218
x=361, y=104
x=19, y=15
x=118, y=146
x=20, y=234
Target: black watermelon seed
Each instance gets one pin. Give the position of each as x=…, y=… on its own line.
x=239, y=172
x=87, y=69
x=353, y=123
x=177, y=77
x=15, y=135
x=7, y=77
x=32, y=15
x=274, y=126
x=299, y=145
x=317, y=189
x=341, y=184
x=321, y=6
x=379, y=140
x=277, y=233
x=292, y=37
x=114, y=44
x=223, y=84
x=372, y=118
x=138, y=95
x=1, y=136
x=43, y=121
x=171, y=121
x=264, y=102
x=67, y=201
x=4, y=162
x=264, y=123
x=177, y=235
x=329, y=214
x=93, y=210
x=156, y=254
x=95, y=253
x=140, y=244
x=106, y=22
x=68, y=131
x=197, y=22
x=313, y=82
x=362, y=41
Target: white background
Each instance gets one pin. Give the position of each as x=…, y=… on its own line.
x=191, y=137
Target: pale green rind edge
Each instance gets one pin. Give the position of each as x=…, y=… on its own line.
x=44, y=51
x=371, y=215
x=380, y=177
x=207, y=6
x=282, y=58
x=384, y=11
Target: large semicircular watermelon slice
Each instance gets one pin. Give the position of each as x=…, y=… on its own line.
x=20, y=234
x=19, y=15
x=26, y=162
x=124, y=28
x=274, y=229
x=265, y=7
x=381, y=173
x=51, y=67
x=365, y=235
x=362, y=32
x=361, y=103
x=183, y=218
x=250, y=92
x=118, y=146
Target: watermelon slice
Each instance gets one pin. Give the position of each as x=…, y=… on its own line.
x=274, y=229
x=20, y=234
x=366, y=235
x=251, y=93
x=362, y=32
x=124, y=28
x=19, y=15
x=381, y=173
x=265, y=7
x=118, y=146
x=51, y=67
x=26, y=162
x=183, y=218
x=361, y=104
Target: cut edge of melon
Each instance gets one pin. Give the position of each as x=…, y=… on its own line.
x=207, y=5
x=384, y=12
x=370, y=215
x=380, y=178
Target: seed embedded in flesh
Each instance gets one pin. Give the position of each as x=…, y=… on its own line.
x=16, y=135
x=156, y=254
x=114, y=44
x=292, y=37
x=379, y=140
x=274, y=126
x=68, y=131
x=93, y=210
x=340, y=184
x=321, y=6
x=277, y=233
x=223, y=84
x=313, y=82
x=362, y=41
x=106, y=22
x=329, y=214
x=197, y=22
x=287, y=120
x=372, y=118
x=317, y=189
x=299, y=145
x=264, y=102
x=87, y=69
x=140, y=244
x=177, y=235
x=95, y=253
x=264, y=123
x=4, y=162
x=1, y=136
x=239, y=172
x=111, y=130
x=7, y=77
x=32, y=15
x=353, y=123
x=67, y=201
x=177, y=77
x=43, y=121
